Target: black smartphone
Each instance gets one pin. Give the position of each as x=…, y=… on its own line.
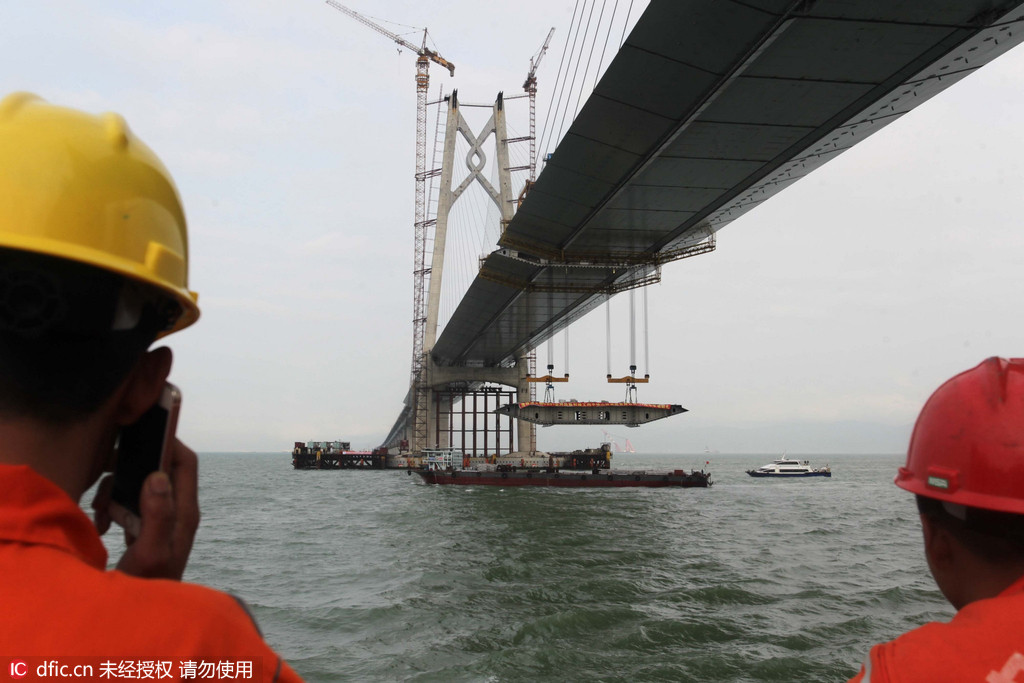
x=142, y=447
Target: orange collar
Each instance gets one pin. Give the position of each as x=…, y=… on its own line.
x=35, y=511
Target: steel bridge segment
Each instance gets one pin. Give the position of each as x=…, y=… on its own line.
x=710, y=108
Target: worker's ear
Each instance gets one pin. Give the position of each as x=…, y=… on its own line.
x=937, y=542
x=143, y=385
x=945, y=559
x=950, y=562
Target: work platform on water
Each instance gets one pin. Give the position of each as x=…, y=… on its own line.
x=586, y=468
x=336, y=455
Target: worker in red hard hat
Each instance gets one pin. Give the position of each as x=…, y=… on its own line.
x=94, y=269
x=965, y=465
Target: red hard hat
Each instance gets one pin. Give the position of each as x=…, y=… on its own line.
x=968, y=443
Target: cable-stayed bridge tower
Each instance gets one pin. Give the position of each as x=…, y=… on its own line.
x=426, y=419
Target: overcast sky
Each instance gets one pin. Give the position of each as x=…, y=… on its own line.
x=822, y=322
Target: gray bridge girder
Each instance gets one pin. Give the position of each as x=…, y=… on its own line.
x=709, y=109
x=439, y=376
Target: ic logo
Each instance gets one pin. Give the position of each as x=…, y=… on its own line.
x=19, y=669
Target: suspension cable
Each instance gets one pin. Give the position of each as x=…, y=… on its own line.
x=626, y=25
x=647, y=348
x=558, y=79
x=551, y=353
x=607, y=35
x=593, y=46
x=576, y=71
x=632, y=332
x=566, y=342
x=608, y=331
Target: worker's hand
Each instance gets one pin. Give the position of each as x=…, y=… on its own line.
x=159, y=542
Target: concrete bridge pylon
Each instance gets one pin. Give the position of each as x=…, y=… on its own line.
x=424, y=426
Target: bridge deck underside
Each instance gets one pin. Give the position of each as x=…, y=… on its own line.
x=709, y=108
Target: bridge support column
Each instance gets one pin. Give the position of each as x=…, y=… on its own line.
x=440, y=419
x=524, y=430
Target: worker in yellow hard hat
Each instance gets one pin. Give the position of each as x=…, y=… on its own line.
x=93, y=269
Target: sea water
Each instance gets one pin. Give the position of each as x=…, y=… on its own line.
x=375, y=576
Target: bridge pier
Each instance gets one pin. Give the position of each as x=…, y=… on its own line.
x=524, y=430
x=468, y=421
x=451, y=384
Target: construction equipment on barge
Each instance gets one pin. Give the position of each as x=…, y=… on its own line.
x=335, y=455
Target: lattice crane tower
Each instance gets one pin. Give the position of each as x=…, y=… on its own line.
x=530, y=86
x=420, y=269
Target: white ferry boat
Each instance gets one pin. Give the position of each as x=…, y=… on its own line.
x=787, y=467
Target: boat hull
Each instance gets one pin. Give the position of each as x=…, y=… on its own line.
x=604, y=479
x=786, y=475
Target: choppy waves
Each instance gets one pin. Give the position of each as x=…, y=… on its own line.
x=372, y=576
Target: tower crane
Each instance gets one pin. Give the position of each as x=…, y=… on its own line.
x=420, y=269
x=425, y=53
x=530, y=86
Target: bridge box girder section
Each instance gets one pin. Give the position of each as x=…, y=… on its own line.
x=569, y=413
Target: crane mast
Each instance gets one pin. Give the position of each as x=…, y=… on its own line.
x=420, y=269
x=530, y=86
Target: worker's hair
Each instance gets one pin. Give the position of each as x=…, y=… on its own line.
x=69, y=335
x=993, y=536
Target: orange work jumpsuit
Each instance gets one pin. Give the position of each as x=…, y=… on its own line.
x=983, y=642
x=63, y=615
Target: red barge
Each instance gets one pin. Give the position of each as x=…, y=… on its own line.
x=555, y=477
x=440, y=467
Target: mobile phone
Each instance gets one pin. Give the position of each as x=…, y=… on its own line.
x=142, y=448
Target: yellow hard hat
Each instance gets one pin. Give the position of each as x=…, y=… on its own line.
x=83, y=187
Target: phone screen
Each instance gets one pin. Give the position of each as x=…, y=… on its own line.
x=140, y=449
